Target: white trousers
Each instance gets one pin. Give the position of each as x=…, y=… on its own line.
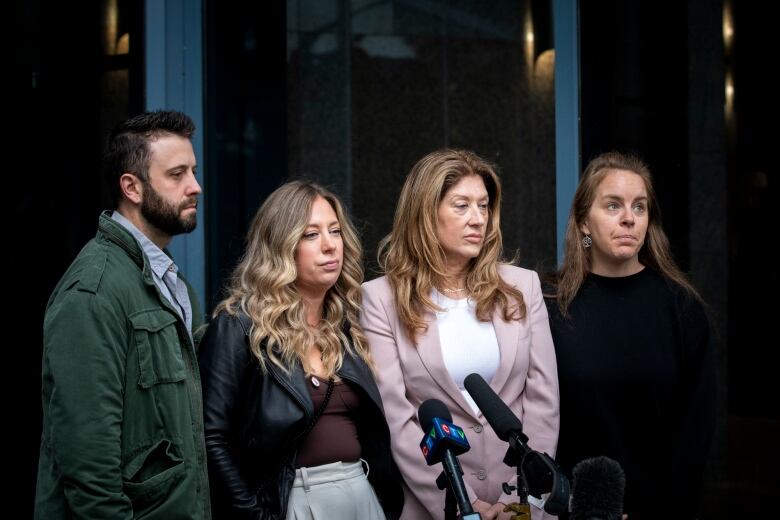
x=339, y=490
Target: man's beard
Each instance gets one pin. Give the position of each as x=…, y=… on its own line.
x=165, y=216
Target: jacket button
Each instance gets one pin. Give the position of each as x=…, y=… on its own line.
x=478, y=428
x=482, y=474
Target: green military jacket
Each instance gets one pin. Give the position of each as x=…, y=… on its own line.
x=122, y=409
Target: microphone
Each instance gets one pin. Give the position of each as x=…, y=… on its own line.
x=597, y=490
x=441, y=434
x=442, y=442
x=539, y=471
x=505, y=423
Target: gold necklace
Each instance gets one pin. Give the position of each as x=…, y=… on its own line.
x=447, y=290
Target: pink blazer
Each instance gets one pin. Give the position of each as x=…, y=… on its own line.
x=526, y=380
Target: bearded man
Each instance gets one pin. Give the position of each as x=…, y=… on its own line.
x=122, y=412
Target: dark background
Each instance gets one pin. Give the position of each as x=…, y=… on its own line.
x=653, y=78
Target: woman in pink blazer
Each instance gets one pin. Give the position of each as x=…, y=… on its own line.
x=446, y=308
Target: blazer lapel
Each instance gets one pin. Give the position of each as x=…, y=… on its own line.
x=429, y=350
x=507, y=335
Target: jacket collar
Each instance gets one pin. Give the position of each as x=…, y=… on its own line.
x=114, y=232
x=352, y=369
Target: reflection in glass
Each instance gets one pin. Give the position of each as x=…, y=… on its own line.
x=115, y=36
x=375, y=85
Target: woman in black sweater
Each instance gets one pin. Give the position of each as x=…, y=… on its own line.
x=636, y=361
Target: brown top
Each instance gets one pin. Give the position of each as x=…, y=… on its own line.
x=334, y=437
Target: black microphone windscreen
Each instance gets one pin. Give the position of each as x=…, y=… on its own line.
x=497, y=413
x=597, y=489
x=430, y=409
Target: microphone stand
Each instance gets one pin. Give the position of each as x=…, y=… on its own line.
x=545, y=476
x=451, y=468
x=513, y=458
x=450, y=506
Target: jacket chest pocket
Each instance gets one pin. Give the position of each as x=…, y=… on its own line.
x=159, y=348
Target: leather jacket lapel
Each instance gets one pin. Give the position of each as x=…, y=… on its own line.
x=295, y=384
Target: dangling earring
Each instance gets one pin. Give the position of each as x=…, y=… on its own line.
x=587, y=241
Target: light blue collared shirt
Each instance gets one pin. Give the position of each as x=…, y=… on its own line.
x=165, y=272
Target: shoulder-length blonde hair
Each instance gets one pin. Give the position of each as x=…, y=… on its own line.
x=413, y=258
x=655, y=252
x=263, y=284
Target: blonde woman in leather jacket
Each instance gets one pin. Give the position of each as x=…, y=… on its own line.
x=293, y=418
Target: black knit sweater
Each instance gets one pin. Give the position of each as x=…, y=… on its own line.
x=637, y=375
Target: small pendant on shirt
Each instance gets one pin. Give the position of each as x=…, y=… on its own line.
x=315, y=382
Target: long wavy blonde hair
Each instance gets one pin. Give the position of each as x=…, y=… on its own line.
x=655, y=252
x=263, y=285
x=413, y=258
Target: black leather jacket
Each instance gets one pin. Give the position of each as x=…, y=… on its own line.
x=251, y=418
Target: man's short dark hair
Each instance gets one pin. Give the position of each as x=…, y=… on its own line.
x=127, y=149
